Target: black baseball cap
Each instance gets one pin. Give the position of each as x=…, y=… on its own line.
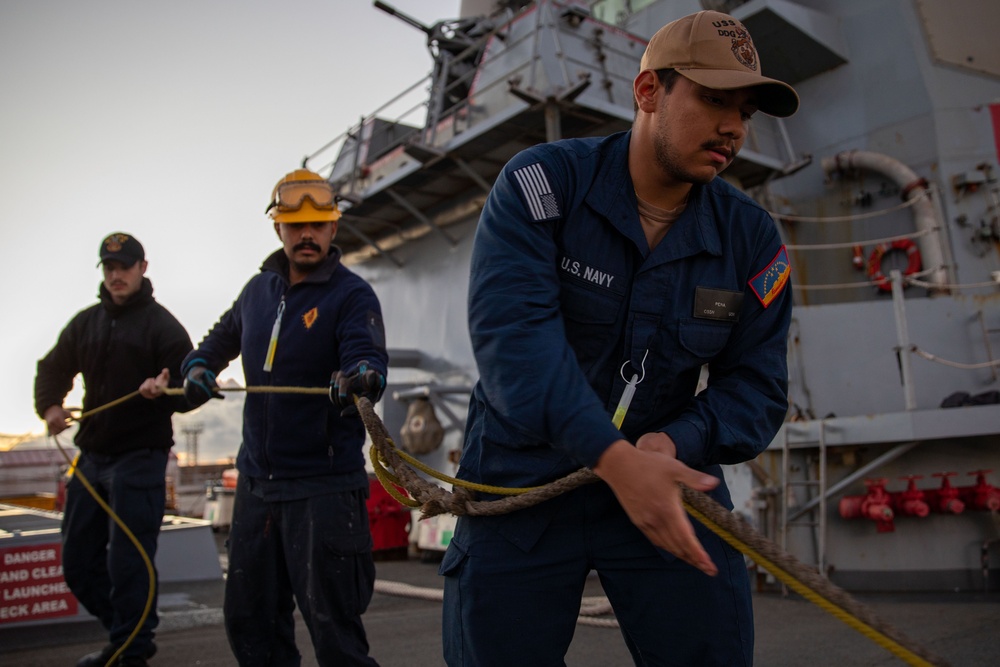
x=122, y=247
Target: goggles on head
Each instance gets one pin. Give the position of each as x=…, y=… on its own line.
x=290, y=196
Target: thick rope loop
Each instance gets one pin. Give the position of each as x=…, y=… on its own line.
x=804, y=580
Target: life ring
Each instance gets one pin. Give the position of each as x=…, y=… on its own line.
x=875, y=261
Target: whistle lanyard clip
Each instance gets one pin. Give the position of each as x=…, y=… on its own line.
x=629, y=392
x=272, y=346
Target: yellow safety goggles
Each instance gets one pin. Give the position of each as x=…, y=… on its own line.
x=291, y=195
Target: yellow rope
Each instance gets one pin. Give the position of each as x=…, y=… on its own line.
x=151, y=593
x=111, y=404
x=379, y=467
x=797, y=585
x=465, y=484
x=390, y=482
x=809, y=594
x=324, y=391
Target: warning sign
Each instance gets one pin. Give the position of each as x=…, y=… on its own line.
x=32, y=586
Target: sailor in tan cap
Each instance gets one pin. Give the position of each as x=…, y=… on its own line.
x=699, y=84
x=635, y=267
x=715, y=50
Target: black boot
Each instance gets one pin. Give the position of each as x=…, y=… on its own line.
x=131, y=661
x=97, y=658
x=100, y=658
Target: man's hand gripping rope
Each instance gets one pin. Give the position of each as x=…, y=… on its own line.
x=433, y=500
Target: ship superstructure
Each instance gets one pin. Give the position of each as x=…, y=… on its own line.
x=884, y=186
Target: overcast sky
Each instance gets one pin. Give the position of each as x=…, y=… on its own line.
x=170, y=121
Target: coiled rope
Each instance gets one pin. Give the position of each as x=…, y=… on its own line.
x=396, y=469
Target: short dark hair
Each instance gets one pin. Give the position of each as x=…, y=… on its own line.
x=667, y=77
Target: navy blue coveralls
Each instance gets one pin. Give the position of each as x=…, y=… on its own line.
x=300, y=529
x=123, y=454
x=566, y=303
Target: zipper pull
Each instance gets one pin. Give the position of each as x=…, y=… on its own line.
x=272, y=347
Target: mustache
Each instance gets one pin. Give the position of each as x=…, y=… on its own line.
x=726, y=146
x=307, y=245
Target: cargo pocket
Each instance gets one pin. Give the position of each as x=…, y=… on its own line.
x=453, y=615
x=685, y=345
x=454, y=557
x=140, y=490
x=142, y=506
x=703, y=340
x=348, y=566
x=696, y=344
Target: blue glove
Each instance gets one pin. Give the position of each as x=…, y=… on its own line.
x=200, y=386
x=362, y=381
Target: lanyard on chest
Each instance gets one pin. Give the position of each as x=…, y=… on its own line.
x=649, y=332
x=272, y=346
x=629, y=392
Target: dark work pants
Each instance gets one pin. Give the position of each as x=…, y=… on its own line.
x=101, y=565
x=315, y=551
x=513, y=586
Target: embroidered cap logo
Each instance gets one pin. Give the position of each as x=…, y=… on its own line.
x=114, y=242
x=743, y=48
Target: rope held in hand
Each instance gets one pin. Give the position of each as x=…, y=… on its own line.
x=393, y=469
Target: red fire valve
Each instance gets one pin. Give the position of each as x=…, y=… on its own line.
x=982, y=496
x=911, y=501
x=875, y=505
x=945, y=499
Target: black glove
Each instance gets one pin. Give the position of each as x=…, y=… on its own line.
x=362, y=381
x=200, y=386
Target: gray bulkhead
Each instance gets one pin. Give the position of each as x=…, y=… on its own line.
x=868, y=369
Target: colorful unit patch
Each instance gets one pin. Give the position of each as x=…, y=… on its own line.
x=310, y=317
x=537, y=192
x=767, y=284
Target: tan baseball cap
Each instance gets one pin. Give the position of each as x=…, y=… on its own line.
x=715, y=50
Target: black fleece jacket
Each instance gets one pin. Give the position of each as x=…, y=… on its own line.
x=116, y=347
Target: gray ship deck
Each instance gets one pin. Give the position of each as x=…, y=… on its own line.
x=407, y=631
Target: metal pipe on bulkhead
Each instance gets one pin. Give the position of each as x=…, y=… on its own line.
x=926, y=216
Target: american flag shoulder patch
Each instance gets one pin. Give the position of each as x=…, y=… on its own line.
x=537, y=192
